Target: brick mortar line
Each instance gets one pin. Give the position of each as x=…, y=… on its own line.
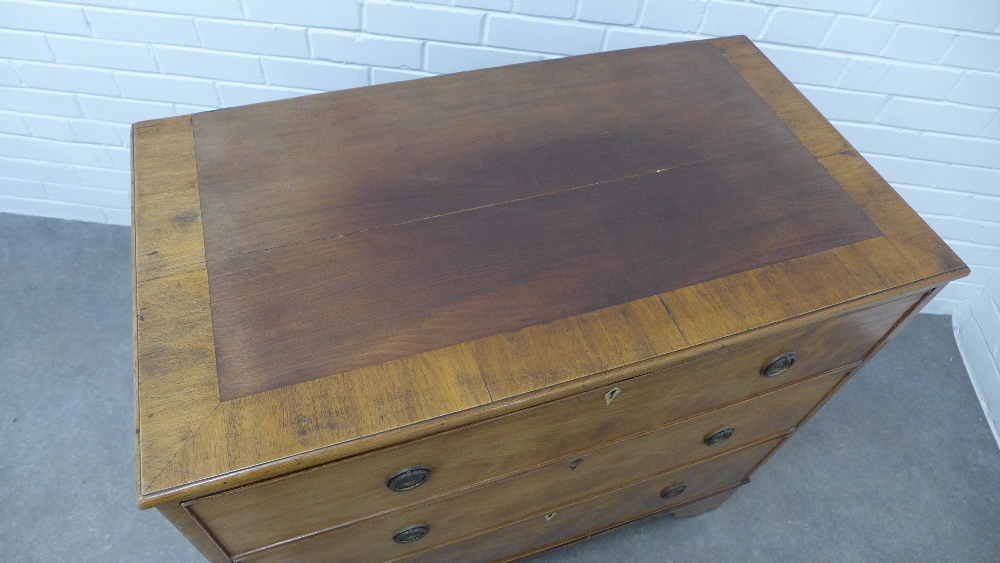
x=470, y=11
x=542, y=19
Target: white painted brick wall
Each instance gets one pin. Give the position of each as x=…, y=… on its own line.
x=977, y=331
x=914, y=84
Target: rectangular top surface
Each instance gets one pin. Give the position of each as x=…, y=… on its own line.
x=353, y=228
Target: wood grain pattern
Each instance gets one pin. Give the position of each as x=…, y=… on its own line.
x=375, y=544
x=204, y=452
x=562, y=350
x=876, y=264
x=280, y=447
x=908, y=233
x=196, y=443
x=759, y=297
x=910, y=236
x=797, y=113
x=832, y=342
x=705, y=503
x=194, y=533
x=356, y=487
x=167, y=210
x=176, y=376
x=552, y=484
x=242, y=432
x=902, y=322
x=373, y=157
x=292, y=314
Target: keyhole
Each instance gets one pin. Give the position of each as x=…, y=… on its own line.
x=610, y=395
x=550, y=516
x=575, y=463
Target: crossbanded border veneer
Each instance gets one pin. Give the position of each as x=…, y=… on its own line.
x=486, y=277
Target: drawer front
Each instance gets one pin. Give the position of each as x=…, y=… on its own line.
x=525, y=539
x=565, y=481
x=344, y=491
x=589, y=515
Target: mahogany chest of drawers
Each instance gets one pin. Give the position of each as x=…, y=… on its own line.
x=477, y=316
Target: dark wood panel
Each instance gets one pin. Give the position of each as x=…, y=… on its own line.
x=326, y=165
x=293, y=314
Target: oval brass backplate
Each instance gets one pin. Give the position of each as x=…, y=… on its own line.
x=409, y=478
x=719, y=436
x=411, y=534
x=671, y=492
x=779, y=364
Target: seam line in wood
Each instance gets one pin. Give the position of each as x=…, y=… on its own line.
x=850, y=271
x=895, y=244
x=505, y=202
x=179, y=450
x=673, y=320
x=786, y=319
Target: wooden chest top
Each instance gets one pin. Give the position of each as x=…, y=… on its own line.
x=322, y=276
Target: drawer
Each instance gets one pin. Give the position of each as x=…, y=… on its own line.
x=265, y=513
x=564, y=481
x=630, y=501
x=529, y=538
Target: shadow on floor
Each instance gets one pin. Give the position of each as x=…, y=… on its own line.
x=899, y=466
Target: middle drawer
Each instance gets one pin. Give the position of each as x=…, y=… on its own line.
x=563, y=481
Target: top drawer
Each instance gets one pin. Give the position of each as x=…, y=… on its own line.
x=280, y=509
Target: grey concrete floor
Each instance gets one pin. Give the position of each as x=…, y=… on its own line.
x=899, y=466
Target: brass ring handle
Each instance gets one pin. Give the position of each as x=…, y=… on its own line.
x=674, y=491
x=719, y=436
x=411, y=534
x=779, y=365
x=409, y=478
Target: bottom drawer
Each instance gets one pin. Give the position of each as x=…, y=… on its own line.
x=592, y=515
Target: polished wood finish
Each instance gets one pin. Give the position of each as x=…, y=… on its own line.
x=166, y=200
x=450, y=279
x=372, y=540
x=194, y=532
x=245, y=522
x=732, y=372
x=342, y=492
x=620, y=198
x=392, y=154
x=176, y=386
x=480, y=272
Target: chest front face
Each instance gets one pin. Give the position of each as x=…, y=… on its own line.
x=490, y=289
